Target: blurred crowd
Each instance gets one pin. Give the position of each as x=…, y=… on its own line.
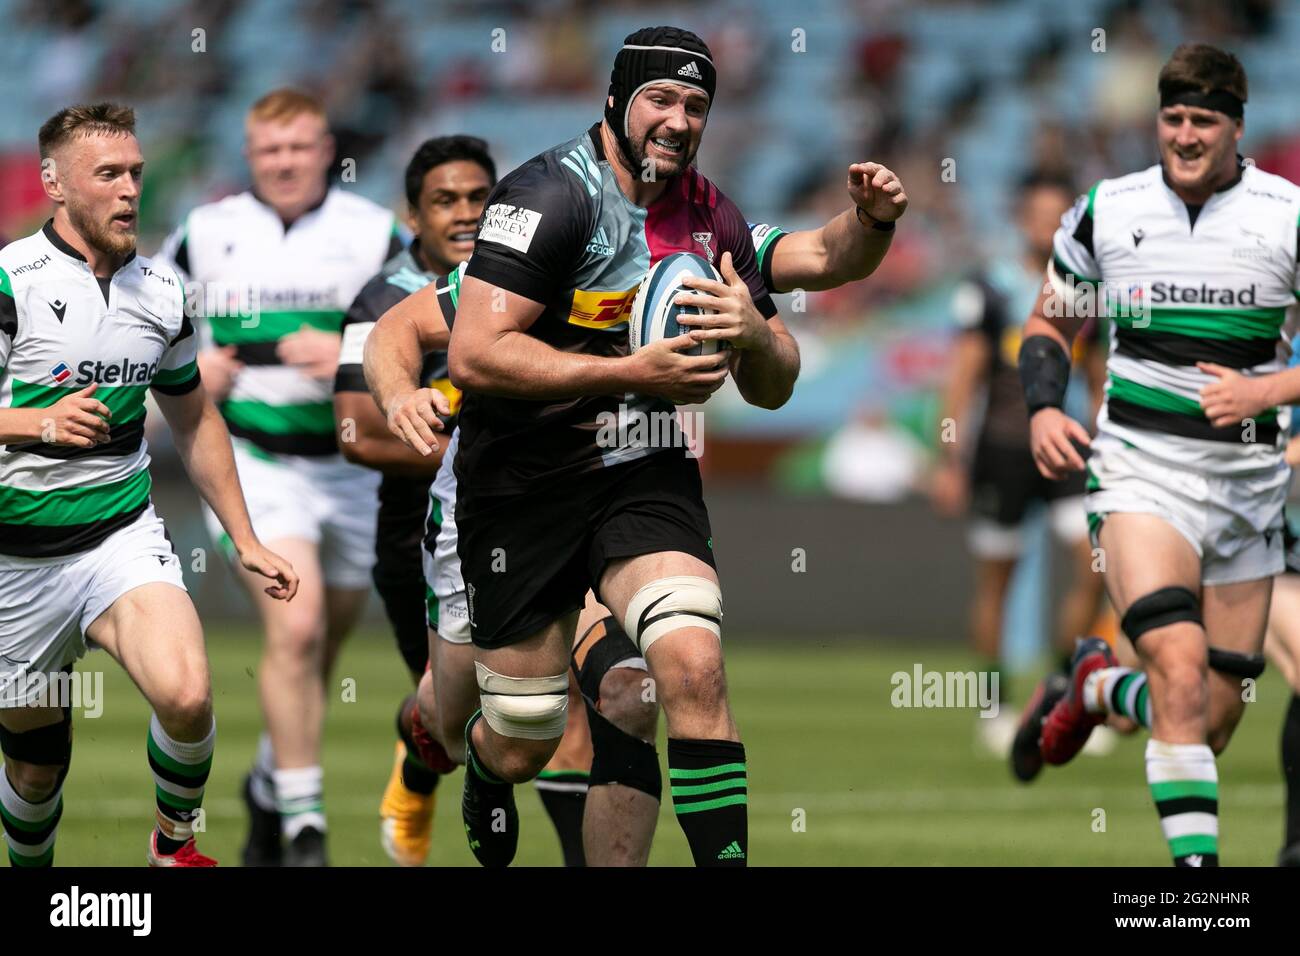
x=392, y=70
x=960, y=97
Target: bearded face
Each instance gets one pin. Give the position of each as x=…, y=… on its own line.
x=665, y=126
x=100, y=177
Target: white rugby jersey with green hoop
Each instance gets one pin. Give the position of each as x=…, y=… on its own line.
x=61, y=328
x=1184, y=285
x=254, y=281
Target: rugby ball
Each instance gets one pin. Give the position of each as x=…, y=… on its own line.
x=654, y=314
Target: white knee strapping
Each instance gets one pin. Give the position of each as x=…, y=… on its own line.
x=672, y=603
x=532, y=708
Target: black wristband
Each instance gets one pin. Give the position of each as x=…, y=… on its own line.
x=873, y=222
x=1044, y=372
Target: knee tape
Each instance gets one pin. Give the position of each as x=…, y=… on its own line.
x=1235, y=663
x=45, y=746
x=1158, y=609
x=531, y=708
x=671, y=603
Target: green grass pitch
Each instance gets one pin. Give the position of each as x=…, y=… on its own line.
x=875, y=784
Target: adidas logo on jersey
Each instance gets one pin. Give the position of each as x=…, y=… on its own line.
x=600, y=244
x=691, y=71
x=732, y=851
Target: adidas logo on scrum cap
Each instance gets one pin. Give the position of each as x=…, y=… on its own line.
x=691, y=71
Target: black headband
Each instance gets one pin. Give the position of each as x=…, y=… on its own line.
x=1220, y=101
x=656, y=55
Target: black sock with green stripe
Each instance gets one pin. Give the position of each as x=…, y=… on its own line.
x=180, y=773
x=416, y=776
x=709, y=797
x=1184, y=782
x=564, y=795
x=30, y=827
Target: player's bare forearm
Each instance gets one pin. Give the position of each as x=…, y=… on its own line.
x=1053, y=317
x=203, y=443
x=492, y=353
x=364, y=439
x=766, y=376
x=394, y=354
x=517, y=365
x=840, y=252
x=19, y=425
x=1281, y=388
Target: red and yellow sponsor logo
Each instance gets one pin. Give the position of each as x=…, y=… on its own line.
x=451, y=391
x=601, y=310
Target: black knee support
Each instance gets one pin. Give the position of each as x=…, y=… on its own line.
x=609, y=650
x=617, y=756
x=1158, y=609
x=1236, y=664
x=49, y=746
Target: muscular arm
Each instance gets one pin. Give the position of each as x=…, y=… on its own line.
x=396, y=345
x=766, y=375
x=372, y=444
x=203, y=444
x=841, y=251
x=844, y=250
x=1052, y=317
x=492, y=353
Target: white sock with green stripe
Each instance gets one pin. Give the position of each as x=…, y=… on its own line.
x=262, y=776
x=300, y=798
x=1185, y=785
x=180, y=773
x=29, y=828
x=710, y=791
x=1119, y=690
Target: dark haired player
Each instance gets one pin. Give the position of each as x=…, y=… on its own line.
x=447, y=181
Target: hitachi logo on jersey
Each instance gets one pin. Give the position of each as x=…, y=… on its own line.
x=1161, y=293
x=31, y=266
x=124, y=372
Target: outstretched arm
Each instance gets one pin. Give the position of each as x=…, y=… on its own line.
x=204, y=446
x=848, y=247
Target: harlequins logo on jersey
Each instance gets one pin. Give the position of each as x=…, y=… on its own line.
x=124, y=372
x=704, y=238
